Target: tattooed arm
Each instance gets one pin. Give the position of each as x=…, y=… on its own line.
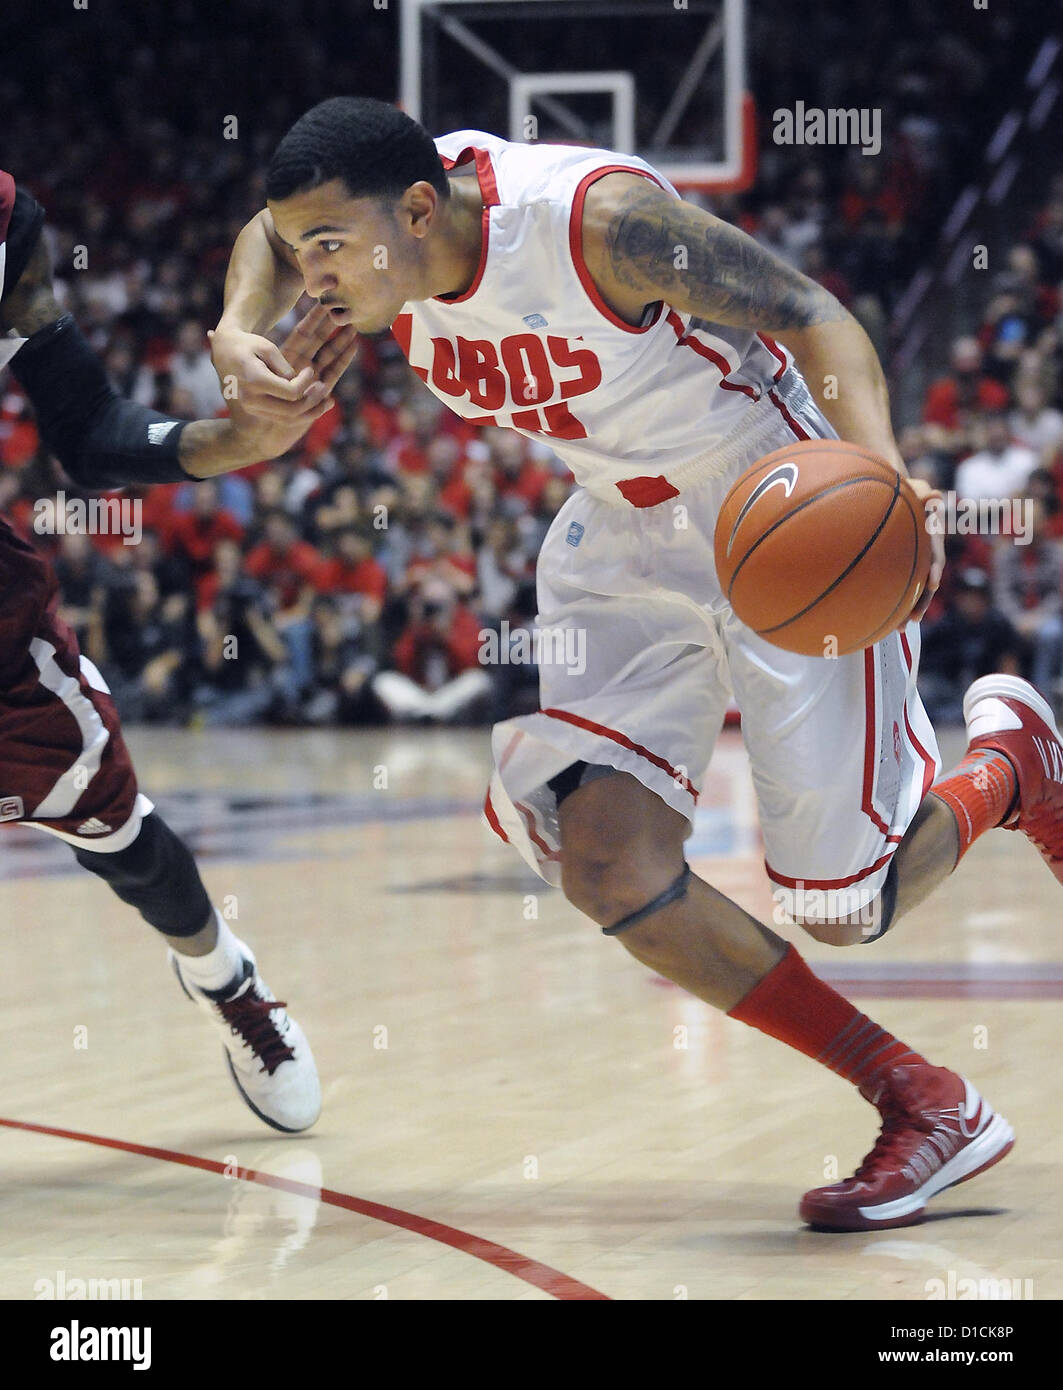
x=642, y=245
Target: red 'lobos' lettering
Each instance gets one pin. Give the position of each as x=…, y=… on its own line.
x=474, y=371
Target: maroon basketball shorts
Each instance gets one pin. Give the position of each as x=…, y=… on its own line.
x=64, y=765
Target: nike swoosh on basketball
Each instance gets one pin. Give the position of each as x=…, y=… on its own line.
x=784, y=476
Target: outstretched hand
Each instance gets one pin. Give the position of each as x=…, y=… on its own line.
x=314, y=355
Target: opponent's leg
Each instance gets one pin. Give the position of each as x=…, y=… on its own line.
x=622, y=864
x=267, y=1052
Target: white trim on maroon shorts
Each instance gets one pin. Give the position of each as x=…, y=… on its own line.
x=67, y=791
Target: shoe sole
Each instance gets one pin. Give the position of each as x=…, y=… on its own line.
x=994, y=1143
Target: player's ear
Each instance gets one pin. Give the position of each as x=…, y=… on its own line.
x=418, y=207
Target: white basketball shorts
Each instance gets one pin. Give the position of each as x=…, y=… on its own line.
x=638, y=657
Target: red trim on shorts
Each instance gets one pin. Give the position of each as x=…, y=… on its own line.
x=828, y=882
x=710, y=354
x=485, y=177
x=866, y=804
x=928, y=761
x=776, y=352
x=492, y=818
x=799, y=430
x=575, y=245
x=624, y=742
x=533, y=835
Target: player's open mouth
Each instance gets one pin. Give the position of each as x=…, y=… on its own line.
x=340, y=312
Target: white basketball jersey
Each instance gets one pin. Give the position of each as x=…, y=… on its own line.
x=532, y=346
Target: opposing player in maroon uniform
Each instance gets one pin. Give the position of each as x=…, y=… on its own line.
x=64, y=765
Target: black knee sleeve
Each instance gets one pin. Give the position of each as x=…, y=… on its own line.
x=157, y=875
x=887, y=901
x=671, y=894
x=577, y=775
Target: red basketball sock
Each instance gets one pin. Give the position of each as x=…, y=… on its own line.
x=793, y=1005
x=979, y=794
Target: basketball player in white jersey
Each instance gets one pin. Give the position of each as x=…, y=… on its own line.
x=572, y=295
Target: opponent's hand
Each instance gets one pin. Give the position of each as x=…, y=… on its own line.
x=933, y=502
x=267, y=385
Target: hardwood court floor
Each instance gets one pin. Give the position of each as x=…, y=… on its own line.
x=573, y=1124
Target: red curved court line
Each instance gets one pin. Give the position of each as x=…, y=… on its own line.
x=551, y=1281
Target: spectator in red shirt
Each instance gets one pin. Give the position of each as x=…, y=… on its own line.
x=439, y=676
x=290, y=570
x=518, y=480
x=359, y=582
x=192, y=535
x=446, y=463
x=952, y=400
x=443, y=553
x=419, y=423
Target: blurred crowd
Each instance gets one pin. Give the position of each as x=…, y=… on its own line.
x=355, y=578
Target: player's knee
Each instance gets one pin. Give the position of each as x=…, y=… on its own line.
x=609, y=883
x=866, y=923
x=845, y=931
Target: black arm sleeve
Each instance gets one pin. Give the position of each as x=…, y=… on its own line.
x=101, y=439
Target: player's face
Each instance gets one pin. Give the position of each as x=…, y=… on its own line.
x=354, y=254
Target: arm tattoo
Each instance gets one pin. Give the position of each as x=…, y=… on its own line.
x=31, y=304
x=714, y=270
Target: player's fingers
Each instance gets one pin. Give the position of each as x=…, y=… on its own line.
x=307, y=337
x=336, y=357
x=272, y=358
x=263, y=407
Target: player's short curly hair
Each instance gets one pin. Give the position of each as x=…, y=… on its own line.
x=376, y=149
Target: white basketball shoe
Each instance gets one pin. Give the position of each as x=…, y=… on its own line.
x=267, y=1052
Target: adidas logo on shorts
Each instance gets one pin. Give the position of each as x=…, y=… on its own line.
x=92, y=826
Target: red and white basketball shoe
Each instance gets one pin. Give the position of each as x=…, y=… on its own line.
x=936, y=1131
x=268, y=1055
x=1006, y=713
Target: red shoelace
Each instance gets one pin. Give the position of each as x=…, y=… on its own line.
x=249, y=1016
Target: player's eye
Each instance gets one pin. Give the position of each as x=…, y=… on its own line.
x=330, y=246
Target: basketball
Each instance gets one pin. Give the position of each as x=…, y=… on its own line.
x=822, y=548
